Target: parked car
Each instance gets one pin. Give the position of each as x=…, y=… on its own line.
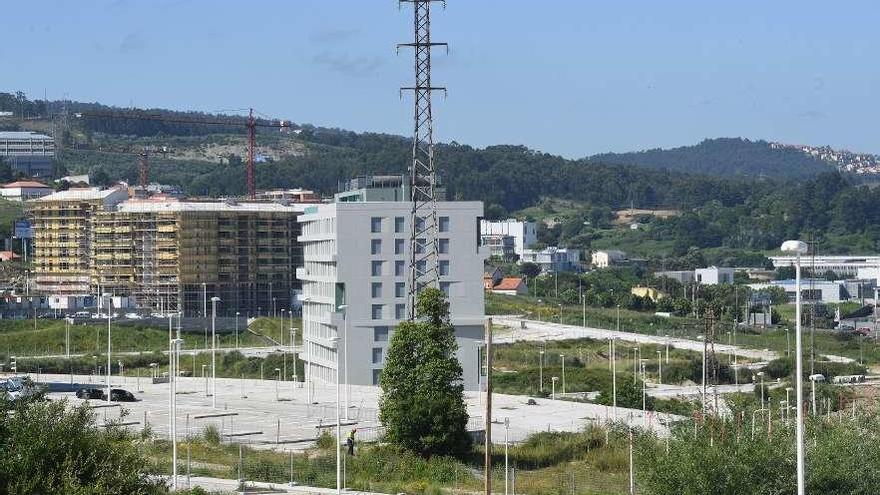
x=120, y=395
x=91, y=393
x=865, y=331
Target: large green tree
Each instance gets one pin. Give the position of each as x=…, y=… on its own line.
x=422, y=404
x=49, y=447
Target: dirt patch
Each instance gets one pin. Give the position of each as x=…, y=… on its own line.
x=628, y=216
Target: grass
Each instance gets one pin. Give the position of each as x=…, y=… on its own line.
x=582, y=462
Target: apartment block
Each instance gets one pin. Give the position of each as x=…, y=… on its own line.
x=524, y=233
x=62, y=224
x=356, y=254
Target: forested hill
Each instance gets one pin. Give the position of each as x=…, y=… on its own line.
x=724, y=157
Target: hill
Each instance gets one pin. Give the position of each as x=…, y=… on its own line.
x=725, y=157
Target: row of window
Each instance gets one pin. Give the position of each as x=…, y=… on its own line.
x=400, y=224
x=400, y=246
x=377, y=268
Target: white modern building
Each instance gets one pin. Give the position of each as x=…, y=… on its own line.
x=553, y=259
x=356, y=254
x=604, y=259
x=524, y=234
x=25, y=190
x=845, y=266
x=28, y=152
x=713, y=275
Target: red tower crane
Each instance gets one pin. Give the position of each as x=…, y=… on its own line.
x=251, y=124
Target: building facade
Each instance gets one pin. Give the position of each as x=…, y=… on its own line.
x=604, y=259
x=553, y=259
x=25, y=190
x=525, y=234
x=713, y=275
x=62, y=225
x=28, y=152
x=356, y=256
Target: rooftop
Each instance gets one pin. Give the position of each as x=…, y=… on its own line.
x=22, y=135
x=25, y=183
x=141, y=206
x=81, y=194
x=508, y=283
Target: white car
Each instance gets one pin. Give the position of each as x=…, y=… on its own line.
x=133, y=316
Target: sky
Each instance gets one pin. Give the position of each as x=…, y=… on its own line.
x=567, y=77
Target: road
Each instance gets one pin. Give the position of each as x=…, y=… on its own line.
x=521, y=329
x=261, y=352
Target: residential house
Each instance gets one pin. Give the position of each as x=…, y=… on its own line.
x=511, y=286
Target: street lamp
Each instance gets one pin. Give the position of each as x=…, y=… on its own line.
x=277, y=396
x=506, y=447
x=761, y=376
x=174, y=362
x=237, y=314
x=787, y=402
x=214, y=301
x=798, y=248
x=541, y=370
x=815, y=378
x=344, y=309
x=614, y=378
x=659, y=367
x=206, y=378
x=283, y=354
x=667, y=348
x=335, y=344
x=562, y=358
x=618, y=317
x=109, y=306
x=553, y=380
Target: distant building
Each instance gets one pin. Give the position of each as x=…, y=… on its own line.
x=24, y=190
x=379, y=188
x=713, y=275
x=647, y=292
x=823, y=291
x=28, y=152
x=500, y=245
x=553, y=259
x=491, y=277
x=844, y=266
x=681, y=276
x=604, y=259
x=297, y=195
x=511, y=286
x=525, y=234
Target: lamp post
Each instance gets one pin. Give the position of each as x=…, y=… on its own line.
x=562, y=358
x=560, y=313
x=761, y=376
x=659, y=367
x=541, y=370
x=214, y=301
x=798, y=248
x=344, y=309
x=237, y=314
x=584, y=309
x=614, y=378
x=506, y=447
x=277, y=396
x=205, y=378
x=813, y=379
x=174, y=362
x=204, y=300
x=335, y=343
x=618, y=317
x=553, y=380
x=787, y=402
x=667, y=348
x=283, y=353
x=109, y=305
x=67, y=337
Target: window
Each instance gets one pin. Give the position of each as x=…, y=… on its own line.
x=399, y=225
x=400, y=311
x=376, y=225
x=377, y=355
x=443, y=224
x=421, y=267
x=420, y=246
x=399, y=268
x=445, y=287
x=400, y=289
x=376, y=246
x=399, y=246
x=377, y=268
x=377, y=375
x=377, y=311
x=420, y=225
x=443, y=246
x=376, y=290
x=444, y=267
x=380, y=334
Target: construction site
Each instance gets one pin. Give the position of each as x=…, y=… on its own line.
x=167, y=254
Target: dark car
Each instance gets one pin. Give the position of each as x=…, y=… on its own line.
x=91, y=393
x=119, y=395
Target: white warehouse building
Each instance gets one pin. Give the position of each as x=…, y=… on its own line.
x=357, y=254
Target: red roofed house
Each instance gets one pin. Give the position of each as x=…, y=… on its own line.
x=511, y=286
x=24, y=190
x=7, y=255
x=491, y=277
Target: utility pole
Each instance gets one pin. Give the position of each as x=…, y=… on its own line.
x=487, y=463
x=423, y=269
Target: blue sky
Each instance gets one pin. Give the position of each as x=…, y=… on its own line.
x=570, y=77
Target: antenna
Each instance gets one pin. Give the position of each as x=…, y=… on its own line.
x=423, y=269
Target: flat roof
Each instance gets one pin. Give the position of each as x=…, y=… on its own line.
x=22, y=135
x=139, y=206
x=82, y=194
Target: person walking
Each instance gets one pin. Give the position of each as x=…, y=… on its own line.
x=350, y=441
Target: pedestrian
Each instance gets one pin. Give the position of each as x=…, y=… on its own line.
x=350, y=441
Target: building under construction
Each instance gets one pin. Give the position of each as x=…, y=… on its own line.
x=176, y=255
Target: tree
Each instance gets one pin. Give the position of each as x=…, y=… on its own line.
x=422, y=404
x=59, y=449
x=530, y=269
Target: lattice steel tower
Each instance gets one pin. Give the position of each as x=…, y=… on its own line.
x=423, y=267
